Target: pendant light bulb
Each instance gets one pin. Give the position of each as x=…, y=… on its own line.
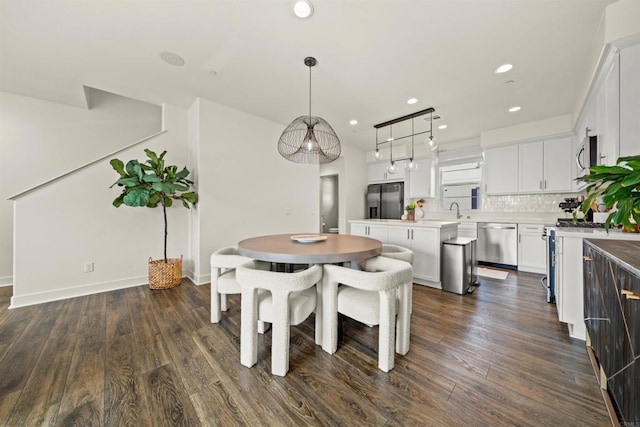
x=412, y=166
x=431, y=143
x=378, y=154
x=392, y=168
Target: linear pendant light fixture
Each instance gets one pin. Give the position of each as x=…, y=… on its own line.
x=309, y=139
x=411, y=166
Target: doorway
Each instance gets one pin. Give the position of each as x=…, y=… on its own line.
x=329, y=204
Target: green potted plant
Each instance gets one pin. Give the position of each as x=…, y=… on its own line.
x=411, y=211
x=618, y=187
x=152, y=184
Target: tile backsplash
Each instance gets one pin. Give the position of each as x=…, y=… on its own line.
x=524, y=202
x=544, y=203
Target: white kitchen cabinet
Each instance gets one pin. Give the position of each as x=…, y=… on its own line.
x=501, y=170
x=558, y=158
x=545, y=166
x=425, y=245
x=608, y=117
x=569, y=294
x=531, y=167
x=378, y=232
x=421, y=181
x=532, y=251
x=630, y=101
x=378, y=172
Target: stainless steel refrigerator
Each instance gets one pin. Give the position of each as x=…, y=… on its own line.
x=385, y=201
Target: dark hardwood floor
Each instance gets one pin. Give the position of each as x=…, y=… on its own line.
x=496, y=357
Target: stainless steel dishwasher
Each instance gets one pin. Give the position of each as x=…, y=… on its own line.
x=498, y=243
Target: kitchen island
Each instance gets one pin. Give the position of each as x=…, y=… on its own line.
x=424, y=238
x=569, y=281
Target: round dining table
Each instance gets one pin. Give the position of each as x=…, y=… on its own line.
x=310, y=248
x=313, y=249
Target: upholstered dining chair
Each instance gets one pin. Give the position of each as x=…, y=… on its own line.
x=401, y=253
x=282, y=299
x=378, y=295
x=224, y=263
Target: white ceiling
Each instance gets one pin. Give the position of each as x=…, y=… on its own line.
x=372, y=56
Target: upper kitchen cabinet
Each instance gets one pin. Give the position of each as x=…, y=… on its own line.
x=630, y=101
x=421, y=181
x=378, y=172
x=608, y=113
x=501, y=170
x=544, y=166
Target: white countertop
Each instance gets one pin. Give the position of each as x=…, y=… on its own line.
x=597, y=233
x=398, y=222
x=544, y=218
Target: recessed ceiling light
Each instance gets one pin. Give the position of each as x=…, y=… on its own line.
x=213, y=72
x=302, y=8
x=172, y=58
x=412, y=101
x=442, y=127
x=353, y=122
x=503, y=68
x=515, y=108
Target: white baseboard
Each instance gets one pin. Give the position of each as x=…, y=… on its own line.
x=6, y=281
x=78, y=291
x=204, y=279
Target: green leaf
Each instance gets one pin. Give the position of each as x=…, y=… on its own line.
x=152, y=155
x=128, y=182
x=118, y=201
x=164, y=187
x=154, y=200
x=631, y=180
x=190, y=197
x=118, y=166
x=168, y=202
x=137, y=197
x=183, y=173
x=151, y=178
x=131, y=167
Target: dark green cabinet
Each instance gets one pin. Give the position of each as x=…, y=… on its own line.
x=612, y=318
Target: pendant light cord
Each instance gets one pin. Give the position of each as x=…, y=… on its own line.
x=309, y=95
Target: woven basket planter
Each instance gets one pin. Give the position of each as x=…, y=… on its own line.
x=165, y=275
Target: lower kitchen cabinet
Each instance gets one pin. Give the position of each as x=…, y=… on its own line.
x=425, y=244
x=612, y=316
x=569, y=292
x=375, y=231
x=532, y=251
x=424, y=241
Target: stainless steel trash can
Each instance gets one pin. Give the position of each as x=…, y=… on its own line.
x=458, y=264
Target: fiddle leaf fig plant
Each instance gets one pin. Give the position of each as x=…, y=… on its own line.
x=152, y=184
x=617, y=186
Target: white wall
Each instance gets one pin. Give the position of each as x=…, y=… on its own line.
x=351, y=169
x=245, y=186
x=40, y=140
x=538, y=129
x=60, y=227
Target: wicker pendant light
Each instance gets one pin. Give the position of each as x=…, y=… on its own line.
x=309, y=139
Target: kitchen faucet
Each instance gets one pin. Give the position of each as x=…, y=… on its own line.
x=458, y=216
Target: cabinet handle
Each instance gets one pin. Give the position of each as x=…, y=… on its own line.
x=412, y=234
x=545, y=184
x=587, y=258
x=408, y=234
x=632, y=296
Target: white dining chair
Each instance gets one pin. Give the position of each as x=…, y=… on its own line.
x=224, y=263
x=282, y=299
x=378, y=295
x=403, y=254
